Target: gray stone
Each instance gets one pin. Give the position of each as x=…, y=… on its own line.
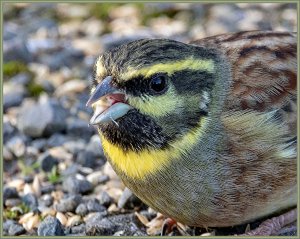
x=128, y=200
x=47, y=161
x=31, y=201
x=16, y=50
x=51, y=226
x=12, y=202
x=105, y=199
x=96, y=227
x=21, y=79
x=47, y=188
x=28, y=178
x=7, y=224
x=8, y=131
x=7, y=155
x=80, y=229
x=130, y=229
x=56, y=140
x=93, y=205
x=126, y=223
x=16, y=230
x=74, y=186
x=81, y=209
x=103, y=179
x=86, y=159
x=69, y=204
x=17, y=145
x=47, y=200
x=42, y=119
x=39, y=144
x=10, y=30
x=72, y=170
x=10, y=192
x=47, y=86
x=12, y=99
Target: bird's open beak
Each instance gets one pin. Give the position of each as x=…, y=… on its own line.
x=108, y=102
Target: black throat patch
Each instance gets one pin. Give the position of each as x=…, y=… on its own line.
x=135, y=132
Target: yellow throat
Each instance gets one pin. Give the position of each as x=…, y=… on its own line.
x=139, y=164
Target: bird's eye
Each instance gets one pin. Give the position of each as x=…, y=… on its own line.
x=158, y=83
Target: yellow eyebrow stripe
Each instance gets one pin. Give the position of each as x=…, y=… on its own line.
x=171, y=67
x=100, y=69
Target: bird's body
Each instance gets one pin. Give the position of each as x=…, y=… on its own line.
x=215, y=144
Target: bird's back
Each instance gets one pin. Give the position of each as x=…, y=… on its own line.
x=263, y=70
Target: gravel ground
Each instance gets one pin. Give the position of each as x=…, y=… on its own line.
x=56, y=178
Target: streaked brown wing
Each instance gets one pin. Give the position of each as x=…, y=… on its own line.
x=264, y=71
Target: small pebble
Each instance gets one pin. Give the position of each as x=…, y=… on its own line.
x=21, y=78
x=51, y=226
x=81, y=209
x=28, y=179
x=47, y=161
x=74, y=221
x=39, y=144
x=32, y=222
x=96, y=227
x=16, y=230
x=86, y=159
x=73, y=186
x=7, y=224
x=7, y=155
x=12, y=202
x=69, y=204
x=8, y=131
x=72, y=170
x=93, y=205
x=128, y=199
x=56, y=140
x=48, y=188
x=31, y=201
x=97, y=178
x=17, y=145
x=28, y=189
x=105, y=199
x=49, y=118
x=78, y=229
x=17, y=183
x=36, y=186
x=10, y=192
x=47, y=200
x=62, y=218
x=48, y=211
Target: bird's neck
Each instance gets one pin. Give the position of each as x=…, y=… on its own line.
x=140, y=164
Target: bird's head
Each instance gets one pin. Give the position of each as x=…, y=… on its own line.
x=150, y=93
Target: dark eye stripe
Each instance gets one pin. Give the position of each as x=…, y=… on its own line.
x=197, y=80
x=138, y=86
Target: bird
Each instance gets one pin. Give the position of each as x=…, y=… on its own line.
x=203, y=132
